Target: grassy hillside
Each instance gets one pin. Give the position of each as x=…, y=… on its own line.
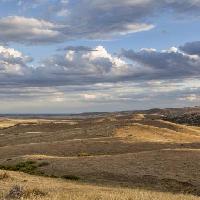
x=123, y=155
x=24, y=186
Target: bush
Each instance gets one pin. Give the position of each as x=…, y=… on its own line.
x=27, y=167
x=71, y=177
x=43, y=164
x=18, y=192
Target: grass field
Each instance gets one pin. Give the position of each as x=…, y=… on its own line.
x=115, y=156
x=57, y=189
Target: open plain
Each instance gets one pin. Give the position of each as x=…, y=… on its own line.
x=124, y=155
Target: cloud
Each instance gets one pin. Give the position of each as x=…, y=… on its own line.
x=192, y=48
x=88, y=19
x=95, y=19
x=98, y=77
x=87, y=66
x=99, y=80
x=166, y=64
x=76, y=48
x=83, y=67
x=28, y=30
x=69, y=68
x=13, y=64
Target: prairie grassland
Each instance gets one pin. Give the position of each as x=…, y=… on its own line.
x=159, y=131
x=57, y=189
x=113, y=157
x=6, y=123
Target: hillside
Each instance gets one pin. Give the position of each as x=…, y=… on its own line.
x=56, y=189
x=140, y=153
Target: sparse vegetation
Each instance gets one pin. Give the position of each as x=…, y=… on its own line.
x=18, y=192
x=83, y=154
x=134, y=150
x=43, y=164
x=27, y=167
x=187, y=118
x=70, y=177
x=53, y=189
x=4, y=175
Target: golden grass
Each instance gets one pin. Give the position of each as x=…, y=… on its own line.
x=6, y=123
x=145, y=152
x=57, y=189
x=159, y=131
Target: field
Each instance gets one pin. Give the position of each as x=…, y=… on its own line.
x=124, y=155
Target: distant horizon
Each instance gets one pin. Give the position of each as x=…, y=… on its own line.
x=93, y=112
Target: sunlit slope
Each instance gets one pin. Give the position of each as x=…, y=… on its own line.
x=56, y=189
x=158, y=131
x=163, y=170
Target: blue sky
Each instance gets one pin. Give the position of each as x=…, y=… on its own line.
x=64, y=56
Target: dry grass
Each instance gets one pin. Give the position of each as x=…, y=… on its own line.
x=6, y=123
x=155, y=157
x=163, y=170
x=4, y=175
x=56, y=189
x=159, y=131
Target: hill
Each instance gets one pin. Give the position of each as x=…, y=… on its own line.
x=138, y=153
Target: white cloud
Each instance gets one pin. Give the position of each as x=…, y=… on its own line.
x=89, y=96
x=12, y=62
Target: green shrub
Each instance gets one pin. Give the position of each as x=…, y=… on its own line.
x=27, y=167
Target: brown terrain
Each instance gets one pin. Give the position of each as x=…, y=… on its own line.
x=152, y=154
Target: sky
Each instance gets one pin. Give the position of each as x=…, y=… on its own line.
x=72, y=56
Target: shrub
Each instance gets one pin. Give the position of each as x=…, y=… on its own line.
x=43, y=164
x=27, y=167
x=71, y=177
x=18, y=192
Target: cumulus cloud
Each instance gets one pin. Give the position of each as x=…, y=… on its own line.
x=13, y=64
x=166, y=64
x=84, y=66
